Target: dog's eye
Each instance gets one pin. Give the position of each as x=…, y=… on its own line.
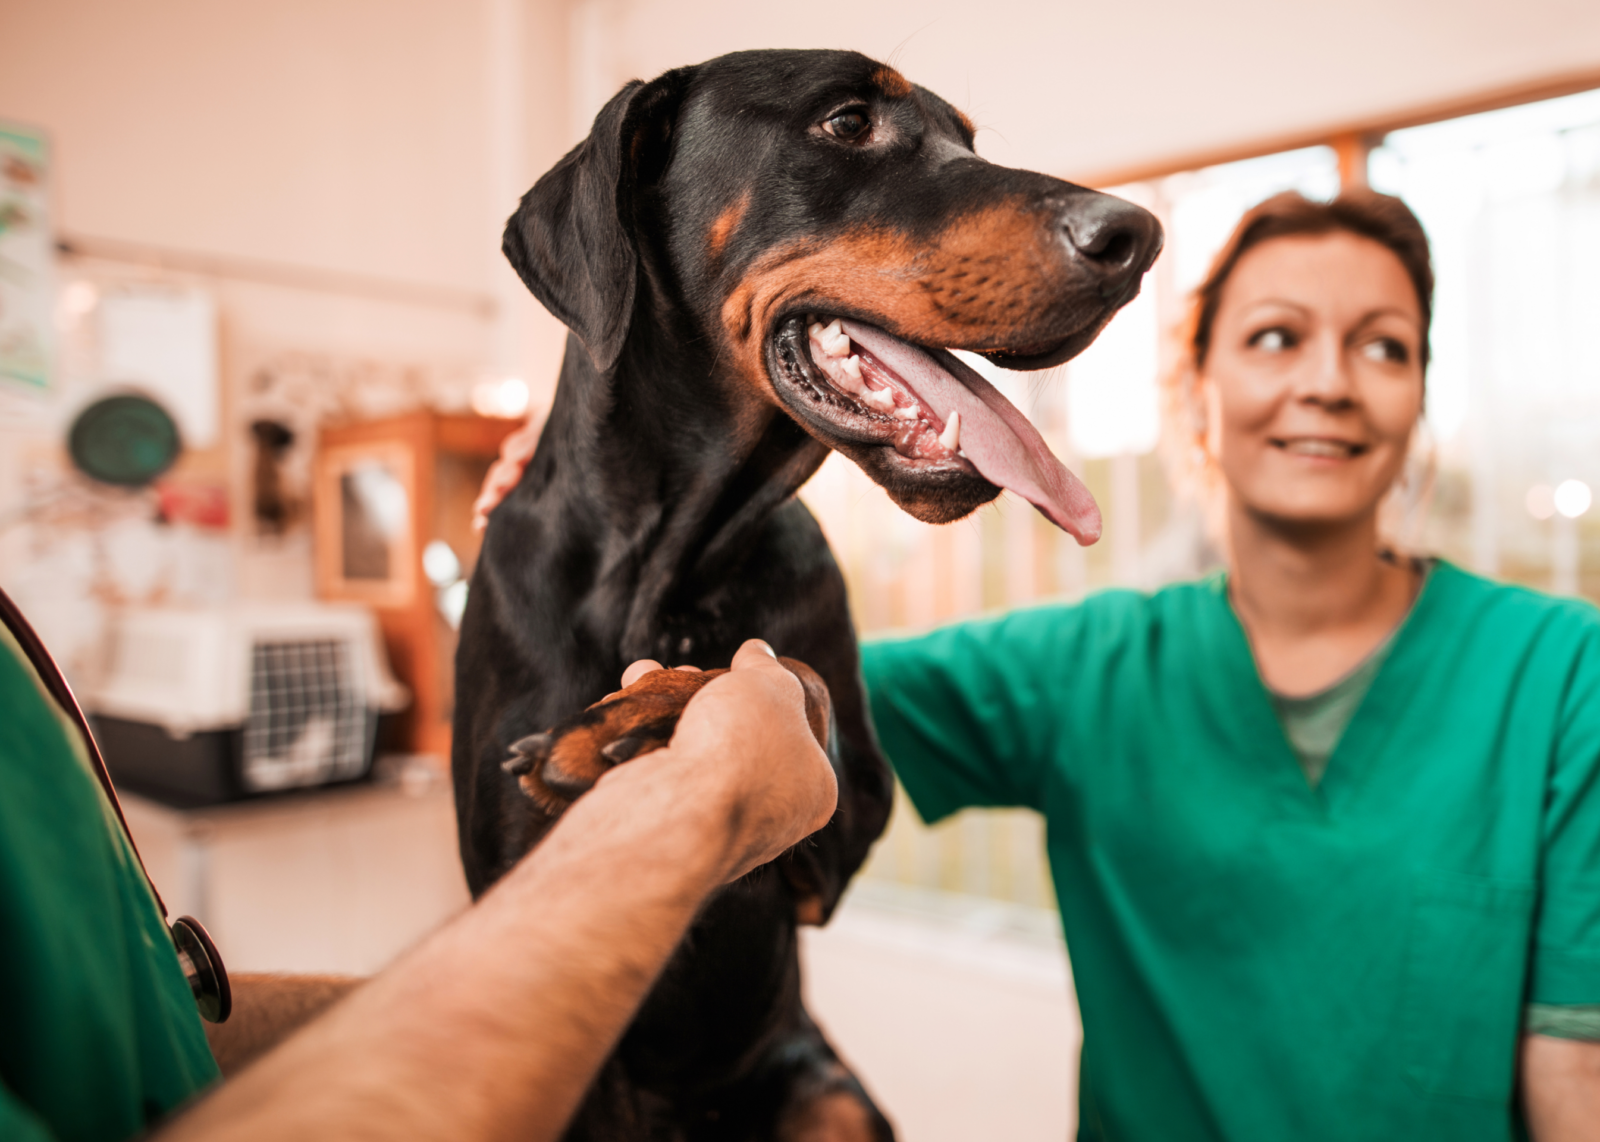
x=851, y=126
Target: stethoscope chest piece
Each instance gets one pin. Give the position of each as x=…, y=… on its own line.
x=202, y=966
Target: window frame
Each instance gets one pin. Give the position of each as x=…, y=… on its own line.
x=1353, y=142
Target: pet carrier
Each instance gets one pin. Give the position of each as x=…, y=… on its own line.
x=204, y=706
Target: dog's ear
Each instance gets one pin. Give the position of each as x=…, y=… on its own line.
x=572, y=238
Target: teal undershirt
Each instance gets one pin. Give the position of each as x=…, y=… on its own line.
x=1315, y=723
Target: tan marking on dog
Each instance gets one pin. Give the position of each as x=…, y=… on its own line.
x=738, y=314
x=837, y=1116
x=977, y=287
x=966, y=122
x=723, y=227
x=889, y=81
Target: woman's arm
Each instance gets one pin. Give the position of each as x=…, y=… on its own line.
x=1561, y=1089
x=975, y=714
x=495, y=1026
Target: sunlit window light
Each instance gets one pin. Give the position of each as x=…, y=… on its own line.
x=1572, y=498
x=501, y=396
x=1112, y=399
x=452, y=603
x=439, y=564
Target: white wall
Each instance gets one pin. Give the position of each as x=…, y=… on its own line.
x=1081, y=88
x=361, y=137
x=379, y=140
x=346, y=135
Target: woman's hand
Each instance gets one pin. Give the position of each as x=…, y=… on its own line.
x=515, y=452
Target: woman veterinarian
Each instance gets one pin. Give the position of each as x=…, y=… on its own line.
x=1324, y=828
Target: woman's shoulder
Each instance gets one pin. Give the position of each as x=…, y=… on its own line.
x=1481, y=625
x=1098, y=615
x=1114, y=614
x=1463, y=595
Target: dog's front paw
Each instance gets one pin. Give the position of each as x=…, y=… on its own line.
x=556, y=767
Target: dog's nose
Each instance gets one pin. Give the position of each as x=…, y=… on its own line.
x=1114, y=239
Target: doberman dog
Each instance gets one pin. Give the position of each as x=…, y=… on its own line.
x=759, y=258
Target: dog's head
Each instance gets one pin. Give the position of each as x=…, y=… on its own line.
x=823, y=232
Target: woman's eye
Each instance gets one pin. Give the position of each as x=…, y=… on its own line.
x=1274, y=340
x=849, y=126
x=1386, y=350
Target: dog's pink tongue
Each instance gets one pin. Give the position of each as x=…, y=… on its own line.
x=999, y=441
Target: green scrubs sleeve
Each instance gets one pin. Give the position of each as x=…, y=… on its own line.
x=1566, y=952
x=17, y=1122
x=99, y=1036
x=969, y=714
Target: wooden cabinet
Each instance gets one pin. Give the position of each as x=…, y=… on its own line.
x=382, y=492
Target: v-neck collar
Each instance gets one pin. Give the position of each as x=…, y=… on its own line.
x=1236, y=680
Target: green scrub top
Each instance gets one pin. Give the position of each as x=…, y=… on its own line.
x=1258, y=958
x=99, y=1035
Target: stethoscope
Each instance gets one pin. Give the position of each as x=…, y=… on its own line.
x=197, y=955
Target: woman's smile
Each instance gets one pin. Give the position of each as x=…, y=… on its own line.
x=1318, y=447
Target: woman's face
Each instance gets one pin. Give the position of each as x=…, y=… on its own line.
x=1314, y=378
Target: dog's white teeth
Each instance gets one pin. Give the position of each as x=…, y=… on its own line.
x=815, y=329
x=880, y=399
x=907, y=412
x=951, y=436
x=852, y=365
x=834, y=340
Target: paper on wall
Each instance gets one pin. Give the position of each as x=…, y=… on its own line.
x=164, y=341
x=27, y=258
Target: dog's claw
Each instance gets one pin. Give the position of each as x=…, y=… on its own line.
x=623, y=749
x=526, y=753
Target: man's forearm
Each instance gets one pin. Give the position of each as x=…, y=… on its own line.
x=534, y=983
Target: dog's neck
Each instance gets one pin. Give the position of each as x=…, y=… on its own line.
x=657, y=477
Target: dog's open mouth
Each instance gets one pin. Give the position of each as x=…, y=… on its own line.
x=936, y=412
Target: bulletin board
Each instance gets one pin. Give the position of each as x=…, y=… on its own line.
x=27, y=258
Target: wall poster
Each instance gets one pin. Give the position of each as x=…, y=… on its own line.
x=27, y=258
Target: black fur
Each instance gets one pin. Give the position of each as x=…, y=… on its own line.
x=657, y=517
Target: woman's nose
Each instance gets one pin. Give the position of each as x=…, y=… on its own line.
x=1327, y=379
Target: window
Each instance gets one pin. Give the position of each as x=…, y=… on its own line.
x=1511, y=203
